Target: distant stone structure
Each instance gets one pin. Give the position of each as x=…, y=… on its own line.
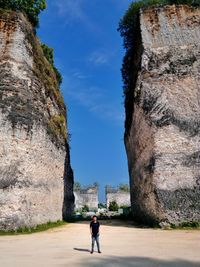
x=121, y=197
x=86, y=196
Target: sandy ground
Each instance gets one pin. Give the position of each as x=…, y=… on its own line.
x=68, y=246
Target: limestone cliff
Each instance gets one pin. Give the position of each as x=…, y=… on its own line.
x=163, y=116
x=34, y=153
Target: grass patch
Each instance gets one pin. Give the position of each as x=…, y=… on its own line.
x=186, y=225
x=49, y=54
x=57, y=126
x=36, y=229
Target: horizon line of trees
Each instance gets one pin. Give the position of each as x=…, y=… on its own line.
x=78, y=186
x=122, y=186
x=113, y=206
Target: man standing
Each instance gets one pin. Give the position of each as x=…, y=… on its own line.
x=94, y=230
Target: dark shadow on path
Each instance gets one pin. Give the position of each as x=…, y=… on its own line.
x=82, y=249
x=136, y=262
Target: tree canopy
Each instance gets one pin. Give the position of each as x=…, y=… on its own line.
x=124, y=187
x=85, y=208
x=31, y=8
x=113, y=206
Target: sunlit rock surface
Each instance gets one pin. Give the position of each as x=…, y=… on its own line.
x=34, y=153
x=163, y=134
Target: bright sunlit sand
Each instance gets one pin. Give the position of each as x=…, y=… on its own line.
x=121, y=246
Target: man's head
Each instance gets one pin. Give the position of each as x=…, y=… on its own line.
x=94, y=218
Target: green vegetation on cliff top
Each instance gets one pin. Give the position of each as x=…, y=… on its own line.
x=127, y=22
x=31, y=8
x=52, y=79
x=49, y=54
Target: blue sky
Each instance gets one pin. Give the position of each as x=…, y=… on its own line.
x=88, y=52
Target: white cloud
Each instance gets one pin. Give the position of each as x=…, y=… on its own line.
x=85, y=97
x=93, y=99
x=73, y=11
x=98, y=58
x=78, y=75
x=70, y=9
x=102, y=56
x=106, y=111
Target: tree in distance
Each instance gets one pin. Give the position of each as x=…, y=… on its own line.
x=85, y=208
x=113, y=206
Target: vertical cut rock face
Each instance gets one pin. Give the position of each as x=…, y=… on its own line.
x=163, y=131
x=36, y=178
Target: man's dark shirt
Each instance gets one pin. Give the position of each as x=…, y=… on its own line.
x=95, y=228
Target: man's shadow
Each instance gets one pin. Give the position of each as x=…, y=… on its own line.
x=82, y=249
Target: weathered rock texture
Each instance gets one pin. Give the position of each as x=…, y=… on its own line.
x=34, y=153
x=86, y=196
x=163, y=136
x=121, y=197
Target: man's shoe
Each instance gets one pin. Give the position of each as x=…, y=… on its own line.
x=91, y=252
x=99, y=251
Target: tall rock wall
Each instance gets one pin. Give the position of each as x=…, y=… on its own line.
x=163, y=136
x=34, y=154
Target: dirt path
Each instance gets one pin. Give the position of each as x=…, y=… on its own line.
x=122, y=246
